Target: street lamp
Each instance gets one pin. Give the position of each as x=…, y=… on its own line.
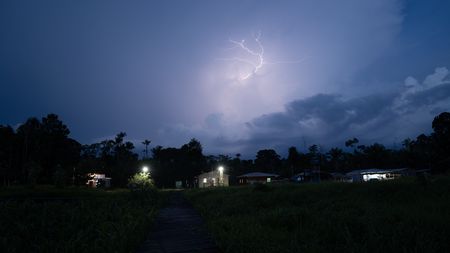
x=145, y=169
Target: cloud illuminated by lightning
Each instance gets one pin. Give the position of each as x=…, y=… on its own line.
x=255, y=63
x=259, y=54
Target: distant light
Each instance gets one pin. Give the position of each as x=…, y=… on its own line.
x=145, y=169
x=220, y=169
x=205, y=180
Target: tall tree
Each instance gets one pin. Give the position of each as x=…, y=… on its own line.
x=441, y=139
x=146, y=143
x=194, y=161
x=59, y=153
x=336, y=157
x=293, y=160
x=267, y=160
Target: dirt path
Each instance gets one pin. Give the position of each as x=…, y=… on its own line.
x=178, y=228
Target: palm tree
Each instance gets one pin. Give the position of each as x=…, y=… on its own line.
x=146, y=143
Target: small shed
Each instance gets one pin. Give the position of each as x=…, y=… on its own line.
x=212, y=179
x=257, y=177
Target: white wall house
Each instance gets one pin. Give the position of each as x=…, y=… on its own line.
x=212, y=179
x=96, y=180
x=375, y=174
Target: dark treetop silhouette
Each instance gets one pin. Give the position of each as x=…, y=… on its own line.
x=41, y=152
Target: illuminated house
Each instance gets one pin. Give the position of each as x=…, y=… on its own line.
x=256, y=177
x=376, y=174
x=212, y=179
x=98, y=181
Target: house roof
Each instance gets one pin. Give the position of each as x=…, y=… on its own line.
x=311, y=172
x=211, y=173
x=259, y=174
x=374, y=171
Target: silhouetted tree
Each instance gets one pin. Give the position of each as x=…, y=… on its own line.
x=336, y=157
x=351, y=142
x=45, y=144
x=124, y=161
x=441, y=139
x=146, y=143
x=183, y=164
x=293, y=160
x=267, y=160
x=376, y=155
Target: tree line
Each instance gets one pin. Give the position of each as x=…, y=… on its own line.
x=41, y=152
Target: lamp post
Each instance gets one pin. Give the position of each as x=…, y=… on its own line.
x=220, y=175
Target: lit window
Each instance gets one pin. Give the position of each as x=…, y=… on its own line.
x=269, y=179
x=204, y=180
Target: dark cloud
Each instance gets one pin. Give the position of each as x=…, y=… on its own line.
x=329, y=119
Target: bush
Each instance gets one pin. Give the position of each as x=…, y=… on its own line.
x=142, y=186
x=140, y=182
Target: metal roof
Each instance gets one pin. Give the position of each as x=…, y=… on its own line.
x=374, y=171
x=259, y=174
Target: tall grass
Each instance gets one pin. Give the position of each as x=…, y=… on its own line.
x=74, y=220
x=396, y=216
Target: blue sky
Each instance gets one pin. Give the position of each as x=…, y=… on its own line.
x=237, y=75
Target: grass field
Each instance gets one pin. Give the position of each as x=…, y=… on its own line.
x=395, y=216
x=46, y=219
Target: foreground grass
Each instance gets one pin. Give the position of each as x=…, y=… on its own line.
x=396, y=216
x=46, y=219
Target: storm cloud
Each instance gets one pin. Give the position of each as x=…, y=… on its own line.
x=167, y=70
x=330, y=119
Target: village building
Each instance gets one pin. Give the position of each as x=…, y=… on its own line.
x=212, y=179
x=256, y=177
x=98, y=181
x=366, y=175
x=311, y=176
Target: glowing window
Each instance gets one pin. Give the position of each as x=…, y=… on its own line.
x=269, y=180
x=204, y=180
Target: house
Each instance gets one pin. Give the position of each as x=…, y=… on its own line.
x=212, y=179
x=311, y=176
x=365, y=175
x=98, y=180
x=257, y=177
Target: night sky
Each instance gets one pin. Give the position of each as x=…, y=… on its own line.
x=237, y=75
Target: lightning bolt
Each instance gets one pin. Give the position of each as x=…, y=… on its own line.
x=257, y=52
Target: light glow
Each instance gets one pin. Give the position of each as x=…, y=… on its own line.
x=145, y=169
x=258, y=53
x=254, y=56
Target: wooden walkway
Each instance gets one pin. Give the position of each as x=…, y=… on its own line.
x=178, y=228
